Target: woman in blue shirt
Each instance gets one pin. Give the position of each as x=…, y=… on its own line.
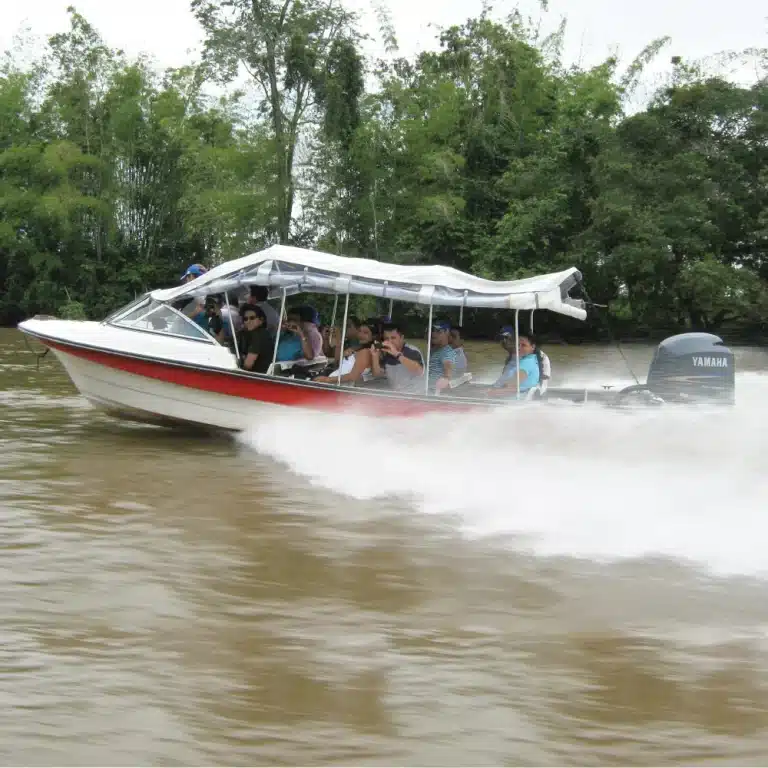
x=530, y=371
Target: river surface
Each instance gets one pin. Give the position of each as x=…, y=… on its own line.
x=541, y=586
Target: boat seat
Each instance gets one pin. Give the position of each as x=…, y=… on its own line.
x=459, y=381
x=285, y=365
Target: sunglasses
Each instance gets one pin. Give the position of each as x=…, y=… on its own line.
x=248, y=318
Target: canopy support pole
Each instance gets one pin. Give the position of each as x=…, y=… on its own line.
x=335, y=307
x=331, y=334
x=532, y=311
x=343, y=336
x=232, y=326
x=517, y=350
x=461, y=310
x=429, y=349
x=277, y=335
x=391, y=305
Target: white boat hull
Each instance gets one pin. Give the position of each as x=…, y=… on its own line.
x=138, y=397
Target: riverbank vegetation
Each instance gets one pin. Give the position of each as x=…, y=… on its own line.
x=487, y=154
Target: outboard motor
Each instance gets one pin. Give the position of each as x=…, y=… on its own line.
x=693, y=367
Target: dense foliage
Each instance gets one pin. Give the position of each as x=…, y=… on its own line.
x=487, y=155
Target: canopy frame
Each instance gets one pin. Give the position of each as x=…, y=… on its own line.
x=297, y=270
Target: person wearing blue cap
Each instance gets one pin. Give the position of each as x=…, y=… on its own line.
x=442, y=358
x=195, y=309
x=527, y=352
x=193, y=272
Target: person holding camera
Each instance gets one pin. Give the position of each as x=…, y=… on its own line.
x=401, y=363
x=300, y=337
x=215, y=320
x=332, y=339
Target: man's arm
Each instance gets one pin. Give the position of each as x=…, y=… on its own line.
x=413, y=364
x=444, y=381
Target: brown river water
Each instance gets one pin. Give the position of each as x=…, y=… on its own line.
x=542, y=586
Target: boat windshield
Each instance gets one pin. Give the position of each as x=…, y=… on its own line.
x=158, y=317
x=139, y=301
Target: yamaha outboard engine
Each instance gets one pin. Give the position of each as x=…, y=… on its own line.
x=693, y=367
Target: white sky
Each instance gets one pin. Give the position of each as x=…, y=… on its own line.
x=596, y=28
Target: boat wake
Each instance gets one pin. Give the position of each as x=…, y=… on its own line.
x=580, y=481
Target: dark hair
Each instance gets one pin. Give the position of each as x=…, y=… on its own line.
x=258, y=311
x=306, y=313
x=392, y=327
x=536, y=351
x=373, y=328
x=259, y=292
x=457, y=328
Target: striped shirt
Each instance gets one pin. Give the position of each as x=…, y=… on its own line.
x=436, y=360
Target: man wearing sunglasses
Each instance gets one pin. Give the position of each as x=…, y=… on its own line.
x=254, y=341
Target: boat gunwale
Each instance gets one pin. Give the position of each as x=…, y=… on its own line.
x=238, y=373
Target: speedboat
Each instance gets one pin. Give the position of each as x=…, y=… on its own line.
x=149, y=361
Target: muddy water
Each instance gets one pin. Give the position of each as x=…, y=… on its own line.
x=555, y=586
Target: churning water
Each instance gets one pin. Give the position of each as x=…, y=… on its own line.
x=576, y=480
x=553, y=585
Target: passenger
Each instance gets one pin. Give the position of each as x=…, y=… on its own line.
x=401, y=363
x=506, y=384
x=193, y=272
x=310, y=320
x=254, y=341
x=290, y=346
x=442, y=358
x=195, y=308
x=356, y=361
x=351, y=340
x=231, y=312
x=461, y=364
x=258, y=298
x=216, y=325
x=299, y=337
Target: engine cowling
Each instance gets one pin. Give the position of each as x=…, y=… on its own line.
x=693, y=367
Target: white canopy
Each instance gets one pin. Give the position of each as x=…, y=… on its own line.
x=303, y=270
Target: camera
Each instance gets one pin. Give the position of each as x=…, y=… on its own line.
x=377, y=345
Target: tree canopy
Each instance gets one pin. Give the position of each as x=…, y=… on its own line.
x=487, y=154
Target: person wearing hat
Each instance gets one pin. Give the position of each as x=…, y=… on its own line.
x=442, y=358
x=195, y=309
x=193, y=272
x=530, y=371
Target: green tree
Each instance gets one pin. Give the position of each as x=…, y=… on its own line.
x=284, y=46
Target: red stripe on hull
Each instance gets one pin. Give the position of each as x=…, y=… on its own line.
x=273, y=391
